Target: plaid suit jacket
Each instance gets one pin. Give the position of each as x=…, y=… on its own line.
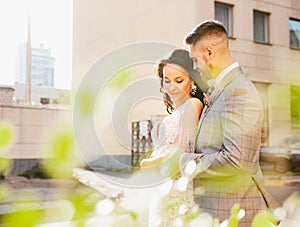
x=227, y=153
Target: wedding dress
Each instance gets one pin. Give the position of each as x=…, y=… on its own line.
x=169, y=204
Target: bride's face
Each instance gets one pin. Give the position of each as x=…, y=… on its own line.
x=177, y=82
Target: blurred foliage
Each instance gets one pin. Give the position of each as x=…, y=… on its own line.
x=84, y=203
x=6, y=135
x=120, y=79
x=5, y=166
x=264, y=218
x=234, y=219
x=4, y=192
x=36, y=171
x=25, y=217
x=6, y=139
x=191, y=214
x=61, y=151
x=85, y=103
x=81, y=208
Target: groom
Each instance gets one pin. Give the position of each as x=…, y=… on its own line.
x=228, y=141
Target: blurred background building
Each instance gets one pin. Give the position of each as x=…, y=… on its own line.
x=42, y=66
x=42, y=76
x=264, y=39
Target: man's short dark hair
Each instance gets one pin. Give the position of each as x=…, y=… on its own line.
x=206, y=28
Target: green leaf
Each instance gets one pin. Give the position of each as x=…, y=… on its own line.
x=85, y=98
x=6, y=135
x=62, y=151
x=264, y=218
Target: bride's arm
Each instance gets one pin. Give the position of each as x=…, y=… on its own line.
x=191, y=113
x=189, y=124
x=185, y=140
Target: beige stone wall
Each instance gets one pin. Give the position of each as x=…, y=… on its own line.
x=32, y=129
x=102, y=26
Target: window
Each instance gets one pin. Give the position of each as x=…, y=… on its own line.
x=223, y=13
x=261, y=27
x=294, y=26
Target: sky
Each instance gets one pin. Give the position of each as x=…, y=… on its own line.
x=51, y=24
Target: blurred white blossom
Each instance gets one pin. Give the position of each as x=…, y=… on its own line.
x=182, y=184
x=183, y=209
x=279, y=213
x=105, y=207
x=166, y=187
x=190, y=168
x=224, y=223
x=178, y=223
x=203, y=220
x=241, y=214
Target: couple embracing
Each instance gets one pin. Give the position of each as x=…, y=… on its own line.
x=216, y=127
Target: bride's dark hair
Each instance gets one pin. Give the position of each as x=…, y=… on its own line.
x=182, y=58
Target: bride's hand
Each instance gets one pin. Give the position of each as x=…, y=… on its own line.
x=150, y=162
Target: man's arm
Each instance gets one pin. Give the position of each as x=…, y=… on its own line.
x=241, y=122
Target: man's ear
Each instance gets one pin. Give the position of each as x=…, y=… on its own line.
x=209, y=52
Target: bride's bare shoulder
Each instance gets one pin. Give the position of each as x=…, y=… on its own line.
x=193, y=104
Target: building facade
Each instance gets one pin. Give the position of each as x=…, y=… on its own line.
x=42, y=66
x=264, y=39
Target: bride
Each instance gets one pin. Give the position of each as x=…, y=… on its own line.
x=176, y=132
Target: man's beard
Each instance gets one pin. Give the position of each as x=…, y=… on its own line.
x=204, y=77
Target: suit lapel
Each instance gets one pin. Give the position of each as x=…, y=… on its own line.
x=218, y=91
x=230, y=77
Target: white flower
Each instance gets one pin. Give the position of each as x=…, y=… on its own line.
x=105, y=207
x=241, y=214
x=190, y=168
x=178, y=223
x=224, y=223
x=183, y=209
x=280, y=213
x=166, y=187
x=203, y=220
x=182, y=184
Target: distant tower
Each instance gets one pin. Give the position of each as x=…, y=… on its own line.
x=42, y=66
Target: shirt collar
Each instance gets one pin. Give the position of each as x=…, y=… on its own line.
x=225, y=71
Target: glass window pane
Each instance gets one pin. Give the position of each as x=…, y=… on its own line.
x=223, y=13
x=261, y=27
x=294, y=27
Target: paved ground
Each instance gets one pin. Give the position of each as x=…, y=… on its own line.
x=22, y=182
x=52, y=196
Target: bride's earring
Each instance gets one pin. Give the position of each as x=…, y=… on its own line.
x=193, y=89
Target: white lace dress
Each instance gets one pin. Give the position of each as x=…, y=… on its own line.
x=166, y=208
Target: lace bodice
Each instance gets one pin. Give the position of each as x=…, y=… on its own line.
x=168, y=134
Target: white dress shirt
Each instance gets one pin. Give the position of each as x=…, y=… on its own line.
x=225, y=71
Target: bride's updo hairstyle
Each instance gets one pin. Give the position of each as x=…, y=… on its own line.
x=182, y=58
